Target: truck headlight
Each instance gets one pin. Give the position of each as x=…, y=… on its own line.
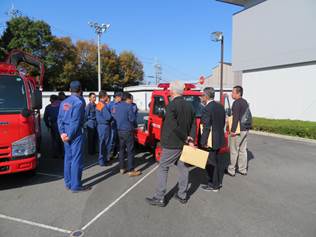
x=24, y=147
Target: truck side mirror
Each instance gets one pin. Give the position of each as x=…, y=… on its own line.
x=37, y=99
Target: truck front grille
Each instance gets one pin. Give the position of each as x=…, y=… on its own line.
x=4, y=151
x=4, y=160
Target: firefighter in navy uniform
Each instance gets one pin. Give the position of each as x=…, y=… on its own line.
x=70, y=126
x=113, y=145
x=103, y=117
x=125, y=120
x=50, y=119
x=91, y=124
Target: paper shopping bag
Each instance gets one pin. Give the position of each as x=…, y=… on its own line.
x=194, y=156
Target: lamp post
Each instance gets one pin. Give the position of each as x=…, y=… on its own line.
x=218, y=36
x=99, y=30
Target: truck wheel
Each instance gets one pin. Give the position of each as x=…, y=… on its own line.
x=157, y=151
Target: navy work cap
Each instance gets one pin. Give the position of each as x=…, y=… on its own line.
x=119, y=94
x=75, y=85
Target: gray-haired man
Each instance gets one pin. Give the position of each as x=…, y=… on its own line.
x=178, y=128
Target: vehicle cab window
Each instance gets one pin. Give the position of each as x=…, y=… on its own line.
x=159, y=105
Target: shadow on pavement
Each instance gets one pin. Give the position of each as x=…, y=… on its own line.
x=108, y=173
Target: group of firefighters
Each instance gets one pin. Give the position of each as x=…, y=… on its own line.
x=109, y=124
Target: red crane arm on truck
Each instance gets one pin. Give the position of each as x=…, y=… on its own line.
x=16, y=56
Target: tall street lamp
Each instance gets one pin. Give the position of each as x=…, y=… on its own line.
x=99, y=30
x=218, y=36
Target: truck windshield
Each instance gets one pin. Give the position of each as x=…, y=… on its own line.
x=196, y=103
x=12, y=94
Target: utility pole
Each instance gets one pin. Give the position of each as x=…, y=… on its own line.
x=158, y=72
x=13, y=12
x=99, y=30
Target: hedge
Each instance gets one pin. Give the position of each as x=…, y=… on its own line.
x=286, y=127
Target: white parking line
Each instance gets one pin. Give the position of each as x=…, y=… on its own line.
x=118, y=199
x=34, y=224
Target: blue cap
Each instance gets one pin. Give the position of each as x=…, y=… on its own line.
x=75, y=85
x=119, y=94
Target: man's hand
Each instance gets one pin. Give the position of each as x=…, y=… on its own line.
x=233, y=134
x=64, y=137
x=189, y=140
x=191, y=144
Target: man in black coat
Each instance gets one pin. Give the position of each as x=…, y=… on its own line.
x=213, y=119
x=178, y=128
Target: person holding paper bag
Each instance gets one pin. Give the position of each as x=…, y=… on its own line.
x=178, y=129
x=213, y=120
x=238, y=140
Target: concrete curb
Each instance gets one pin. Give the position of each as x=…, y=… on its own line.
x=292, y=138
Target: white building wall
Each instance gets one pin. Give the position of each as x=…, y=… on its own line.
x=287, y=93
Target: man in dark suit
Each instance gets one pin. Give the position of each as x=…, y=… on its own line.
x=178, y=129
x=213, y=119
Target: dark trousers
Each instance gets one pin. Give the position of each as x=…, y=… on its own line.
x=126, y=141
x=57, y=143
x=215, y=169
x=92, y=137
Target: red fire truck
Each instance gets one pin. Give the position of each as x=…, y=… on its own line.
x=148, y=134
x=20, y=104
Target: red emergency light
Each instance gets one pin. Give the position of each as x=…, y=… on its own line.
x=187, y=86
x=6, y=68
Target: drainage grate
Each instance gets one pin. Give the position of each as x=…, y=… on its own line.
x=77, y=233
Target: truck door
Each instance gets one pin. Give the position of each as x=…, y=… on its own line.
x=158, y=113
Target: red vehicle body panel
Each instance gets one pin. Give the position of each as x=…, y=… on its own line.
x=13, y=125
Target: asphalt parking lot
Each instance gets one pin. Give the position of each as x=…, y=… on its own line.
x=277, y=198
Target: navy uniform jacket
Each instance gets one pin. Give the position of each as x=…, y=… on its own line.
x=51, y=114
x=103, y=115
x=71, y=116
x=90, y=115
x=124, y=116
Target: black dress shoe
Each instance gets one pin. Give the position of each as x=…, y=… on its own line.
x=209, y=188
x=82, y=189
x=156, y=202
x=182, y=200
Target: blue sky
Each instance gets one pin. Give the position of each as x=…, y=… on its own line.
x=175, y=32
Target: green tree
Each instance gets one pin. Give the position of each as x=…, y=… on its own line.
x=86, y=64
x=110, y=70
x=65, y=61
x=131, y=69
x=60, y=64
x=29, y=35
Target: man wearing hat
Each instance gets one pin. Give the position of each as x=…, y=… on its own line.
x=70, y=126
